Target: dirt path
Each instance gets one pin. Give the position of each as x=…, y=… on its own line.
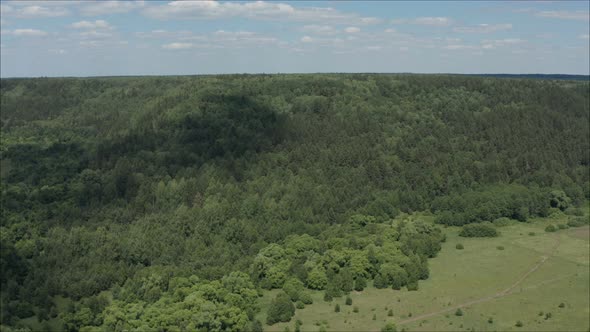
x=507, y=291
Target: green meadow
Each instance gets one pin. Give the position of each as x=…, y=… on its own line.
x=495, y=288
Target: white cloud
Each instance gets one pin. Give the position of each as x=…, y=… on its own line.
x=484, y=28
x=178, y=46
x=58, y=51
x=389, y=30
x=33, y=11
x=352, y=30
x=460, y=47
x=253, y=10
x=109, y=7
x=306, y=39
x=93, y=34
x=103, y=43
x=434, y=21
x=319, y=29
x=25, y=33
x=565, y=15
x=404, y=48
x=374, y=48
x=586, y=36
x=98, y=24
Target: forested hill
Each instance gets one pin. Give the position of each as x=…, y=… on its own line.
x=158, y=187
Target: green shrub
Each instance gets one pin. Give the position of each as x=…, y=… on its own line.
x=360, y=283
x=337, y=308
x=574, y=212
x=548, y=315
x=459, y=312
x=541, y=313
x=305, y=297
x=355, y=309
x=390, y=327
x=348, y=300
x=412, y=286
x=299, y=305
x=327, y=297
x=374, y=317
x=390, y=313
x=531, y=233
x=490, y=320
x=478, y=230
x=281, y=309
x=561, y=305
x=562, y=226
x=500, y=247
x=459, y=246
x=578, y=221
x=501, y=222
x=518, y=324
x=550, y=228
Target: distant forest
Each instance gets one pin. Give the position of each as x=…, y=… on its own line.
x=170, y=202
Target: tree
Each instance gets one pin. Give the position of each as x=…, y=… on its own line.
x=459, y=312
x=337, y=308
x=281, y=309
x=294, y=288
x=317, y=279
x=558, y=199
x=348, y=300
x=360, y=283
x=379, y=282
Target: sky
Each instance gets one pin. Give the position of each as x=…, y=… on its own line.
x=108, y=38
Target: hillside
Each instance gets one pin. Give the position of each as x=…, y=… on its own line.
x=141, y=201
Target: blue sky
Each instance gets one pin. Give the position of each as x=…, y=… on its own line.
x=84, y=38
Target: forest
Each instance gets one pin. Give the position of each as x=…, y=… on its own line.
x=172, y=203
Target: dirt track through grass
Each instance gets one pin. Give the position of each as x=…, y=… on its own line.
x=506, y=292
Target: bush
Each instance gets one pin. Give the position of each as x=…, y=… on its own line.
x=562, y=226
x=540, y=313
x=337, y=308
x=299, y=305
x=459, y=246
x=550, y=228
x=281, y=309
x=379, y=282
x=390, y=327
x=500, y=247
x=459, y=312
x=490, y=320
x=548, y=315
x=305, y=297
x=359, y=284
x=561, y=305
x=412, y=286
x=531, y=233
x=374, y=317
x=327, y=297
x=578, y=221
x=518, y=324
x=348, y=300
x=574, y=212
x=355, y=309
x=501, y=222
x=478, y=230
x=390, y=313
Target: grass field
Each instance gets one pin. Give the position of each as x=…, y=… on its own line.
x=533, y=274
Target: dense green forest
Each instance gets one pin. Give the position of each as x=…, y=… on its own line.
x=184, y=197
